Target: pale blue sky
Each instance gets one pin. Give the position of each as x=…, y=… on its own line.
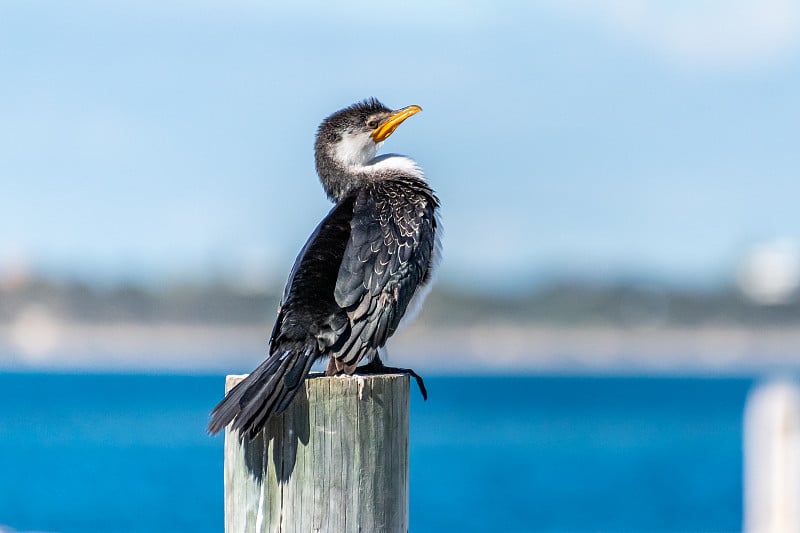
x=156, y=139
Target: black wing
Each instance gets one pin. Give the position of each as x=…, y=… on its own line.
x=392, y=237
x=308, y=308
x=309, y=322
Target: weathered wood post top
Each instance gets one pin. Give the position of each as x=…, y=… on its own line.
x=335, y=461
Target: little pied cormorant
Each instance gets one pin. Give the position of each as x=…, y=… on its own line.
x=365, y=265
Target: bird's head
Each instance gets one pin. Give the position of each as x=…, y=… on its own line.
x=348, y=140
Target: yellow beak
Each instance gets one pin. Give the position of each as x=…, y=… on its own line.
x=387, y=127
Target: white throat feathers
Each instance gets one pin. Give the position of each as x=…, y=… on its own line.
x=357, y=153
x=355, y=150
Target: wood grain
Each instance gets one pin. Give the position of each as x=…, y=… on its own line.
x=335, y=461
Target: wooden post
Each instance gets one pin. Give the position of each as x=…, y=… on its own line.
x=335, y=461
x=772, y=459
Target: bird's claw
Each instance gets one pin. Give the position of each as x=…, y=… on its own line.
x=376, y=366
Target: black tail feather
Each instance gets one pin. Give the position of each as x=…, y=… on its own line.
x=266, y=392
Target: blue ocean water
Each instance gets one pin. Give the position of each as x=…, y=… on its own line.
x=102, y=453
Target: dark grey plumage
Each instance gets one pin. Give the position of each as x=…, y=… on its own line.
x=356, y=275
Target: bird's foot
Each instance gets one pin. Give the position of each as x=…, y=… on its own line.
x=376, y=366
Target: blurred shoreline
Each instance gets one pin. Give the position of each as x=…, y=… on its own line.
x=562, y=328
x=496, y=348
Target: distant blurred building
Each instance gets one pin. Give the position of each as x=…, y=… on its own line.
x=770, y=274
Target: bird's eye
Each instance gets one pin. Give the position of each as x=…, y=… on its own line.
x=372, y=124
